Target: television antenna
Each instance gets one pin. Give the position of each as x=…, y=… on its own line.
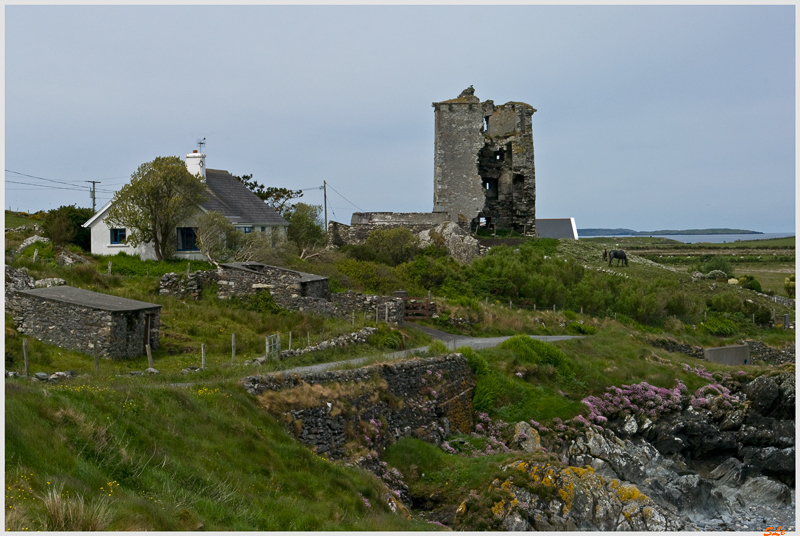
x=200, y=144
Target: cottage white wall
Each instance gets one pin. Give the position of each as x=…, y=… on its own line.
x=101, y=240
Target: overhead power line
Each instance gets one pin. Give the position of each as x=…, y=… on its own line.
x=50, y=180
x=343, y=197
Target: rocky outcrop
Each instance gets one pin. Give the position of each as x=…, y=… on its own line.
x=575, y=498
x=30, y=240
x=460, y=245
x=18, y=280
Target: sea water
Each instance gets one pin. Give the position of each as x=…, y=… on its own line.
x=713, y=238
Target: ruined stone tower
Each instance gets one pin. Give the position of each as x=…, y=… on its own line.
x=483, y=164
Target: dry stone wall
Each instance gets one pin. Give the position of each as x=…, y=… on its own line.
x=291, y=290
x=350, y=411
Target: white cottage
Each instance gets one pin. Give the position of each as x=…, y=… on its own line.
x=226, y=194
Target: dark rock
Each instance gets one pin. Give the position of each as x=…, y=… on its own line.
x=763, y=394
x=771, y=461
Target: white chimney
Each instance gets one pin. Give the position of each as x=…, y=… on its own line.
x=196, y=163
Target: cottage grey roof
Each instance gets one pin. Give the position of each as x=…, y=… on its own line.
x=232, y=198
x=87, y=298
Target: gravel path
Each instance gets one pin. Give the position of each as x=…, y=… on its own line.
x=452, y=341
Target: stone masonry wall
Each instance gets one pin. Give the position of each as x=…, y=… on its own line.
x=119, y=334
x=291, y=290
x=372, y=407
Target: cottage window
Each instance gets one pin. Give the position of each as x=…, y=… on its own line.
x=246, y=230
x=117, y=236
x=187, y=239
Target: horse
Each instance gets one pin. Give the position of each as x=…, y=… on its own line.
x=619, y=255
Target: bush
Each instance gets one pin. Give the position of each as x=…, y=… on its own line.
x=64, y=226
x=720, y=327
x=397, y=245
x=750, y=282
x=386, y=338
x=717, y=263
x=788, y=284
x=261, y=302
x=532, y=351
x=581, y=329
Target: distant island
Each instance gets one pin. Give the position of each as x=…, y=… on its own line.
x=631, y=232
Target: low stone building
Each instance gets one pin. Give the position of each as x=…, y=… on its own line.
x=293, y=290
x=75, y=318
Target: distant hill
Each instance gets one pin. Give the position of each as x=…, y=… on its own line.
x=631, y=232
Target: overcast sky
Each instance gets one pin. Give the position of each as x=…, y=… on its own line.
x=648, y=117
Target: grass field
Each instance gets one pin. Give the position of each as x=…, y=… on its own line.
x=15, y=220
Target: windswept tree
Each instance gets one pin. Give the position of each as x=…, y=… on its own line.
x=217, y=238
x=160, y=195
x=277, y=198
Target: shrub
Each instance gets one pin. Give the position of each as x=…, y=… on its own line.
x=750, y=282
x=788, y=284
x=386, y=338
x=532, y=351
x=398, y=245
x=718, y=263
x=581, y=329
x=721, y=327
x=726, y=302
x=64, y=226
x=261, y=302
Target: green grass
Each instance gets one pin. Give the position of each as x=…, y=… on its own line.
x=14, y=219
x=212, y=460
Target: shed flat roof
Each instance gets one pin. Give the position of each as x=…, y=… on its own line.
x=87, y=298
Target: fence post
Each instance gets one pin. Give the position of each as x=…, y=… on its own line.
x=188, y=268
x=96, y=357
x=279, y=344
x=290, y=340
x=203, y=356
x=581, y=309
x=785, y=321
x=233, y=348
x=387, y=313
x=109, y=267
x=149, y=356
x=509, y=304
x=35, y=254
x=266, y=347
x=534, y=307
x=25, y=356
x=376, y=316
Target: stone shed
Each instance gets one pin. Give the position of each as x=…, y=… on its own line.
x=72, y=318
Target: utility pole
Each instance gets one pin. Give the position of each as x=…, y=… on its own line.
x=325, y=199
x=92, y=194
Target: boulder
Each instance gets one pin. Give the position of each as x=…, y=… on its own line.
x=30, y=240
x=763, y=393
x=525, y=437
x=459, y=244
x=49, y=282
